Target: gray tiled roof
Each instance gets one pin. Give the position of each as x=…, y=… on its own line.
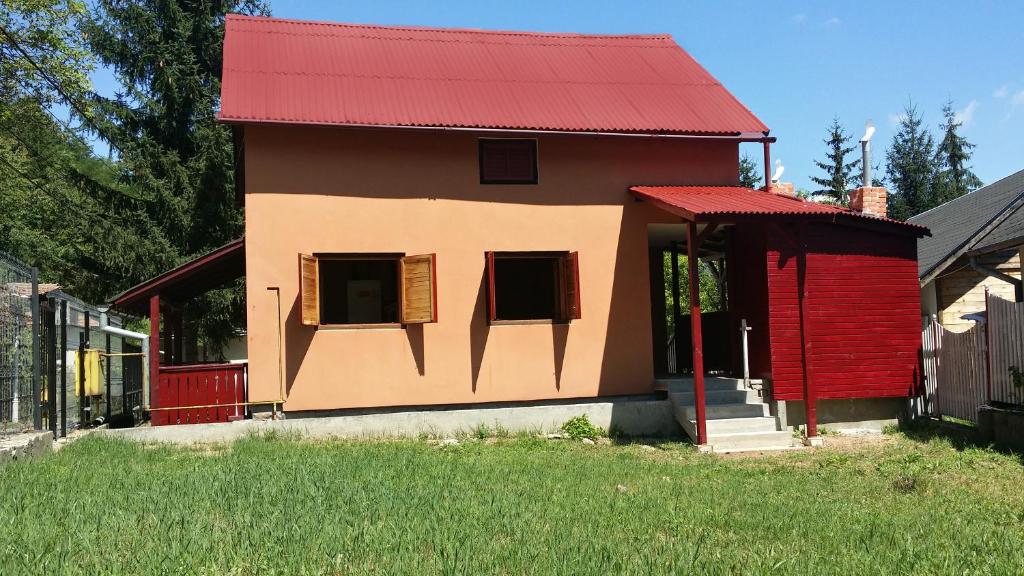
x=1008, y=232
x=956, y=224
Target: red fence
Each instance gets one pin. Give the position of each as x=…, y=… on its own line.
x=198, y=393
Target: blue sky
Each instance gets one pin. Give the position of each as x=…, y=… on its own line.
x=794, y=64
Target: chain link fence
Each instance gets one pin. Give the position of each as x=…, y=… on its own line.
x=19, y=346
x=43, y=333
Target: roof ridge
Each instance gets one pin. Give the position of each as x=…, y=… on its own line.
x=411, y=28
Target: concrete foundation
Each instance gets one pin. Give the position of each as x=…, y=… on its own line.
x=24, y=446
x=1003, y=427
x=631, y=417
x=854, y=415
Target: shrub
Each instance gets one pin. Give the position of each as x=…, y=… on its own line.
x=580, y=427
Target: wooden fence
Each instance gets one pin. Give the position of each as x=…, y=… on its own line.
x=965, y=370
x=1006, y=341
x=199, y=393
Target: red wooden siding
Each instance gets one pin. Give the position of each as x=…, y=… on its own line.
x=220, y=388
x=863, y=305
x=748, y=298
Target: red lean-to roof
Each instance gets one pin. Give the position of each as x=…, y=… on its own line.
x=290, y=71
x=716, y=203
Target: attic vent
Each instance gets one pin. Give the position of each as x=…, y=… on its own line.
x=508, y=161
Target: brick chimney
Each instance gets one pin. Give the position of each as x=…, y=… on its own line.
x=870, y=200
x=782, y=188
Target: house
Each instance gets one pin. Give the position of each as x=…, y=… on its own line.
x=975, y=245
x=438, y=217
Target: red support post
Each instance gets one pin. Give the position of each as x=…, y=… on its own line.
x=692, y=254
x=154, y=345
x=810, y=392
x=767, y=166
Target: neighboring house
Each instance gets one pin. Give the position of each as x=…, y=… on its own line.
x=976, y=244
x=444, y=217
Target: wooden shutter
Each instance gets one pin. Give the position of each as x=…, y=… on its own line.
x=570, y=281
x=492, y=308
x=309, y=288
x=419, y=289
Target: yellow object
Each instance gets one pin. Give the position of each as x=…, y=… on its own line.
x=93, y=372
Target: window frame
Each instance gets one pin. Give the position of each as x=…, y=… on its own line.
x=534, y=149
x=560, y=257
x=395, y=257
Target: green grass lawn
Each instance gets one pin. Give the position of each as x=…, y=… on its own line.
x=909, y=504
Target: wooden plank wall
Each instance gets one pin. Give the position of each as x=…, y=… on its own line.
x=864, y=326
x=961, y=291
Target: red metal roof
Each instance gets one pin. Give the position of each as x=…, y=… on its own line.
x=716, y=203
x=188, y=280
x=290, y=71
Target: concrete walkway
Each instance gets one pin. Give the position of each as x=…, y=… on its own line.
x=644, y=417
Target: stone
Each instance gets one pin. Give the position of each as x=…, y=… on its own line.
x=555, y=436
x=588, y=441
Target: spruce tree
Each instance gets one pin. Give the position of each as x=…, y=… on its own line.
x=166, y=55
x=955, y=177
x=910, y=167
x=749, y=178
x=840, y=175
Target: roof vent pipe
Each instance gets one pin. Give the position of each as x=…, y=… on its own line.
x=865, y=151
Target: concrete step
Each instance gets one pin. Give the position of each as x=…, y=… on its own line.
x=717, y=397
x=718, y=411
x=751, y=441
x=684, y=384
x=734, y=425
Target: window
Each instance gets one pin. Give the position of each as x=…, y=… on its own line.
x=532, y=286
x=508, y=161
x=367, y=289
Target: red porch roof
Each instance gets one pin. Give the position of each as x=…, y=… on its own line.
x=291, y=71
x=191, y=279
x=725, y=203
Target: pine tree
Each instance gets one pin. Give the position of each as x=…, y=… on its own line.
x=840, y=175
x=952, y=156
x=167, y=58
x=61, y=208
x=910, y=167
x=749, y=177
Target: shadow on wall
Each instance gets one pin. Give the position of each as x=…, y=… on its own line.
x=628, y=331
x=414, y=332
x=479, y=329
x=297, y=338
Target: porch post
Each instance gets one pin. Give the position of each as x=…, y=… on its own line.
x=179, y=336
x=810, y=393
x=676, y=315
x=692, y=253
x=154, y=340
x=168, y=336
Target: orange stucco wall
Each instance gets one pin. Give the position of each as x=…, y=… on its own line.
x=318, y=190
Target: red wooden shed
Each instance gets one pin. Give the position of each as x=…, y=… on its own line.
x=836, y=289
